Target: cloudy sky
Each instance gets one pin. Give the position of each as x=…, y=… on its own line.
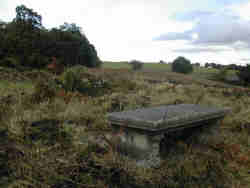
x=152, y=30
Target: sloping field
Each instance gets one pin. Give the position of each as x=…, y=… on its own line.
x=55, y=136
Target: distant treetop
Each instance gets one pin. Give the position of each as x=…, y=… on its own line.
x=26, y=43
x=182, y=65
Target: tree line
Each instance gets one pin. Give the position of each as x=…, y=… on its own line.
x=25, y=42
x=220, y=66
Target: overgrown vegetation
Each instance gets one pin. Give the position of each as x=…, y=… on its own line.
x=53, y=126
x=52, y=135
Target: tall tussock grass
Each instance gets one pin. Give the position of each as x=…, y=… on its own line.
x=53, y=137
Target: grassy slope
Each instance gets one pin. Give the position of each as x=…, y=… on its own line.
x=146, y=66
x=82, y=164
x=199, y=72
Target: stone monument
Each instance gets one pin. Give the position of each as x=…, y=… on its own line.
x=140, y=131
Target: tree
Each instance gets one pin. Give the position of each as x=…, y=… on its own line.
x=2, y=25
x=197, y=64
x=244, y=75
x=73, y=28
x=26, y=16
x=182, y=65
x=162, y=62
x=136, y=65
x=2, y=34
x=25, y=42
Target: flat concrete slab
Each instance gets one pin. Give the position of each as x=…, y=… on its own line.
x=139, y=133
x=164, y=118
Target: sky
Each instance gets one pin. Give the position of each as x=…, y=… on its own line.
x=152, y=30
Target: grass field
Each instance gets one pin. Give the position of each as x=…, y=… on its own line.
x=54, y=137
x=146, y=66
x=199, y=72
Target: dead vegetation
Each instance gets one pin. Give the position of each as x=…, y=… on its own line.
x=51, y=136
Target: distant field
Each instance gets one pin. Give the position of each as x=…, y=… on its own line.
x=146, y=66
x=199, y=72
x=116, y=65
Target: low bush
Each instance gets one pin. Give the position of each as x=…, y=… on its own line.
x=10, y=62
x=79, y=79
x=71, y=78
x=123, y=85
x=43, y=91
x=136, y=65
x=4, y=141
x=182, y=65
x=47, y=131
x=222, y=74
x=244, y=75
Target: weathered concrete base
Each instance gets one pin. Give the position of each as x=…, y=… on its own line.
x=139, y=146
x=149, y=134
x=153, y=159
x=148, y=150
x=206, y=134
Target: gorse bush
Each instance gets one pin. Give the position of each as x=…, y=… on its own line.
x=244, y=75
x=78, y=79
x=4, y=172
x=222, y=74
x=71, y=79
x=12, y=62
x=47, y=132
x=124, y=85
x=44, y=91
x=136, y=65
x=182, y=65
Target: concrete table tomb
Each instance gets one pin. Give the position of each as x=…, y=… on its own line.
x=141, y=131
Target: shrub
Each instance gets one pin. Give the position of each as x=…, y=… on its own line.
x=36, y=60
x=136, y=65
x=55, y=66
x=78, y=79
x=244, y=75
x=123, y=85
x=182, y=65
x=10, y=62
x=71, y=78
x=222, y=74
x=44, y=91
x=48, y=132
x=4, y=139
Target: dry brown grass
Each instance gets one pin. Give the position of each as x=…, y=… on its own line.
x=70, y=151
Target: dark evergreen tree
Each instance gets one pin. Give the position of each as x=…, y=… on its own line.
x=182, y=65
x=26, y=43
x=244, y=75
x=136, y=65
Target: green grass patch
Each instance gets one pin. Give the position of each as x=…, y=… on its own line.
x=9, y=86
x=146, y=66
x=116, y=65
x=199, y=72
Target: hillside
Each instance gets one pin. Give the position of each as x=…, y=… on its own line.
x=53, y=126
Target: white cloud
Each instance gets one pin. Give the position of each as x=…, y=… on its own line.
x=224, y=32
x=241, y=9
x=123, y=29
x=201, y=49
x=220, y=29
